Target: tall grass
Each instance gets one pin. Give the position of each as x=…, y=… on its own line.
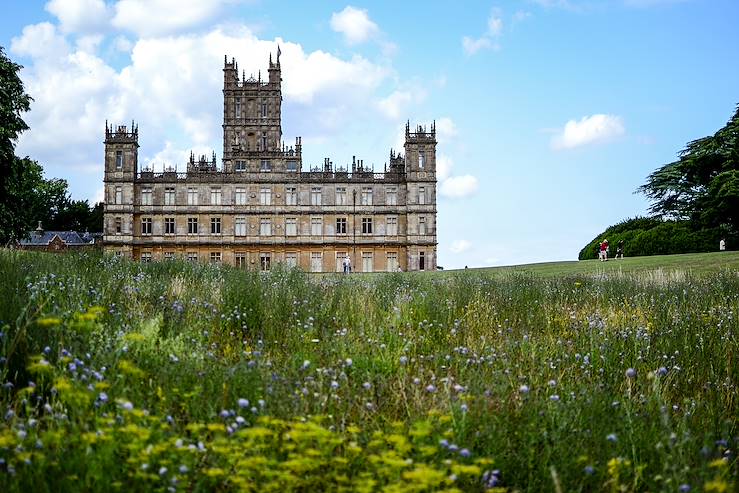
x=136, y=376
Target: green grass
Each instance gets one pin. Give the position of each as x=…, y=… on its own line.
x=587, y=376
x=696, y=263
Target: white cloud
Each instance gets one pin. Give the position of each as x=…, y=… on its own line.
x=486, y=41
x=444, y=165
x=172, y=86
x=495, y=26
x=40, y=41
x=79, y=15
x=394, y=106
x=472, y=46
x=457, y=187
x=459, y=246
x=590, y=129
x=159, y=17
x=446, y=130
x=354, y=24
x=99, y=195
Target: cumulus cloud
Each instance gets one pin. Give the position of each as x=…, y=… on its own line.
x=354, y=24
x=172, y=86
x=589, y=130
x=160, y=17
x=457, y=187
x=459, y=246
x=80, y=16
x=444, y=166
x=395, y=105
x=486, y=41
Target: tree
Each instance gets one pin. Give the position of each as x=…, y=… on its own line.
x=703, y=184
x=13, y=102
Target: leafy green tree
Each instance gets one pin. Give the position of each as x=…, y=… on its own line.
x=703, y=184
x=13, y=102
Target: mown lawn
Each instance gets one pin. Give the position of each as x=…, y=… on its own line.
x=696, y=263
x=588, y=376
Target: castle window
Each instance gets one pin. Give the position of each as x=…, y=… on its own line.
x=340, y=256
x=215, y=225
x=291, y=196
x=192, y=225
x=265, y=165
x=392, y=226
x=265, y=196
x=192, y=256
x=145, y=225
x=421, y=195
x=240, y=196
x=264, y=110
x=316, y=226
x=168, y=225
x=366, y=195
x=240, y=165
x=215, y=257
x=265, y=260
x=265, y=227
x=238, y=107
x=240, y=226
x=367, y=225
x=316, y=261
x=421, y=225
x=291, y=259
x=392, y=261
x=340, y=225
x=367, y=261
x=146, y=256
x=118, y=195
x=118, y=225
x=315, y=196
x=118, y=159
x=168, y=255
x=291, y=226
x=264, y=141
x=146, y=196
x=391, y=196
x=421, y=159
x=421, y=260
x=340, y=195
x=192, y=196
x=292, y=166
x=240, y=258
x=169, y=196
x=215, y=196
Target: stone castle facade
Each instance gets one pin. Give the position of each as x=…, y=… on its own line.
x=260, y=207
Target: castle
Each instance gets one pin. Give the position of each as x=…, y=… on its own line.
x=260, y=207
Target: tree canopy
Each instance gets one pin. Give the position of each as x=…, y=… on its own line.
x=703, y=184
x=26, y=197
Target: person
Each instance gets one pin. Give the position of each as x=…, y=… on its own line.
x=603, y=250
x=620, y=249
x=722, y=245
x=348, y=261
x=343, y=264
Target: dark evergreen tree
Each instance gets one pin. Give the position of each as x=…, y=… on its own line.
x=703, y=184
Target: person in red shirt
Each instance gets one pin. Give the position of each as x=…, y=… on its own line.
x=603, y=250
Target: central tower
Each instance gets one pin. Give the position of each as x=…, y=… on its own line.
x=252, y=118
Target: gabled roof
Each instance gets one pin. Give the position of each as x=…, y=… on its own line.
x=37, y=238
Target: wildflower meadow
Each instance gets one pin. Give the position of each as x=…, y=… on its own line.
x=173, y=376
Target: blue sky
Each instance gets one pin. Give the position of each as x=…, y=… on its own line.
x=550, y=112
